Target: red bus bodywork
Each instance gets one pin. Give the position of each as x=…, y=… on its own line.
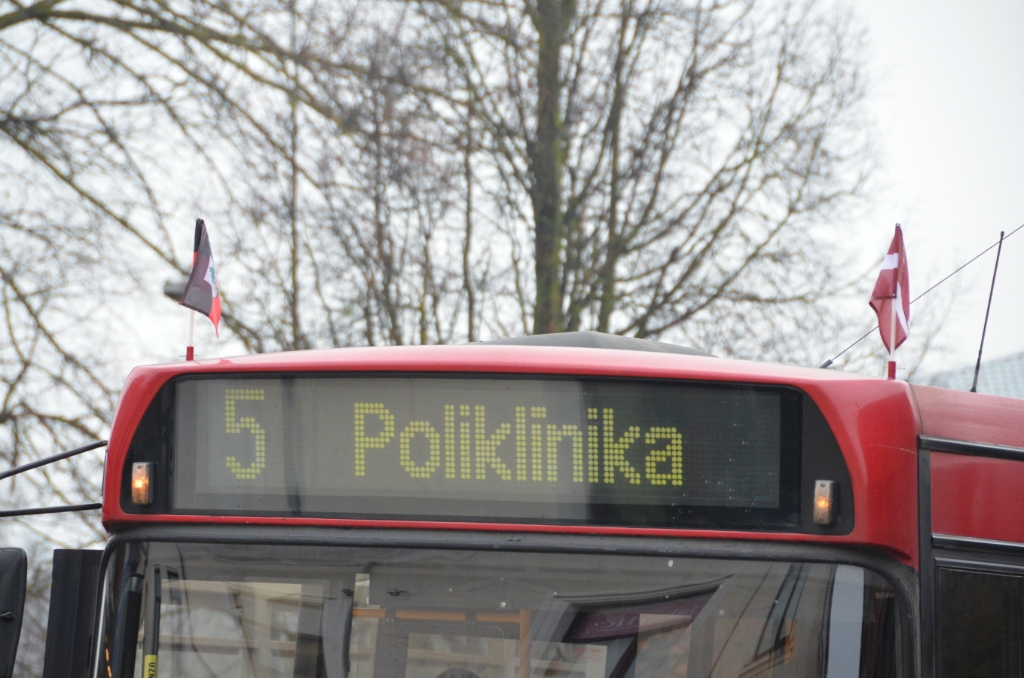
x=876, y=422
x=978, y=497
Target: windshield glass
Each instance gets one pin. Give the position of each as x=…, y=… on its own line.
x=206, y=611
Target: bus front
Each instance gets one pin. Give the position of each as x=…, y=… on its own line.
x=492, y=512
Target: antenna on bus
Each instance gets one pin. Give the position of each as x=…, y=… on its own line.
x=984, y=327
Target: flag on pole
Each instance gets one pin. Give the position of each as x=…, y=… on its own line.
x=892, y=295
x=201, y=289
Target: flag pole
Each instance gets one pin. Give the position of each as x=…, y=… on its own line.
x=190, y=351
x=891, y=365
x=892, y=340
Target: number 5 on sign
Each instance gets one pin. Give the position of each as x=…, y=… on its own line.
x=235, y=425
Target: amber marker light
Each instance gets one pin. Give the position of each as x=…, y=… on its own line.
x=142, y=483
x=824, y=502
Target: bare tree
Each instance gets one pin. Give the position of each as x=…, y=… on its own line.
x=673, y=162
x=98, y=102
x=657, y=168
x=107, y=115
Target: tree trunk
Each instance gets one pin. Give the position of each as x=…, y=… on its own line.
x=547, y=157
x=608, y=273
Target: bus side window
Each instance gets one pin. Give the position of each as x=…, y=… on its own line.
x=979, y=624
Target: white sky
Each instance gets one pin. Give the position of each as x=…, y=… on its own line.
x=948, y=99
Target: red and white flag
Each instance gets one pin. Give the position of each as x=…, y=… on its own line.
x=201, y=289
x=892, y=292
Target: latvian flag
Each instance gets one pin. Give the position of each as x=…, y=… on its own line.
x=893, y=285
x=201, y=289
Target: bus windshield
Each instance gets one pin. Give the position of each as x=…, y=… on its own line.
x=244, y=611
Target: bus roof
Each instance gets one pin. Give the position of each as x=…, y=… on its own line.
x=876, y=423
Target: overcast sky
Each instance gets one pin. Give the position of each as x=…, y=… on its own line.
x=949, y=104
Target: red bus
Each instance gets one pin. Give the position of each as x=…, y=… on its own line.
x=568, y=506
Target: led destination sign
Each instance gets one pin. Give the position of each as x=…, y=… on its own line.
x=488, y=449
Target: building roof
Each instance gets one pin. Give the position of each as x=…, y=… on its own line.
x=1001, y=377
